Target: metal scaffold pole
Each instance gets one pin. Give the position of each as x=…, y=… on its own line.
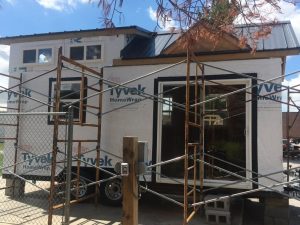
x=55, y=135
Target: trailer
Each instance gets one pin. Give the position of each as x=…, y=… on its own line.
x=143, y=93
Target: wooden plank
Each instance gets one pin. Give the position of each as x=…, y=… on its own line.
x=129, y=183
x=207, y=58
x=81, y=66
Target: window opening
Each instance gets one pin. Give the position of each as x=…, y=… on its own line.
x=29, y=56
x=93, y=52
x=69, y=92
x=77, y=53
x=45, y=55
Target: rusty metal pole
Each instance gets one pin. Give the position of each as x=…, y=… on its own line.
x=16, y=144
x=288, y=134
x=99, y=139
x=69, y=166
x=186, y=139
x=202, y=138
x=55, y=135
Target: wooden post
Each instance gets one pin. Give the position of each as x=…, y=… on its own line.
x=130, y=183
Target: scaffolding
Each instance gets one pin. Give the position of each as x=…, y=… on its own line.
x=194, y=152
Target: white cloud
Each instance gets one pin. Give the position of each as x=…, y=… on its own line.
x=10, y=1
x=61, y=5
x=169, y=24
x=294, y=96
x=292, y=13
x=4, y=59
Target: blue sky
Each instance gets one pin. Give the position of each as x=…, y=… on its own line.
x=37, y=16
x=21, y=17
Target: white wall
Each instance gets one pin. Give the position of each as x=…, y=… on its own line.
x=36, y=134
x=137, y=120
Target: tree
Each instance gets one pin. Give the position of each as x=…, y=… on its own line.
x=219, y=15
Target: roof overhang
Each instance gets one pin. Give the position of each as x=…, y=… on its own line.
x=135, y=30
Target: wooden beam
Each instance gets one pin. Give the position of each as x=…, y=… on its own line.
x=207, y=58
x=73, y=62
x=129, y=183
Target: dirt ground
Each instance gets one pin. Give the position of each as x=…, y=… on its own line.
x=33, y=207
x=152, y=211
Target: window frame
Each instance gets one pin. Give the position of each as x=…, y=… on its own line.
x=248, y=132
x=85, y=46
x=52, y=82
x=37, y=49
x=23, y=58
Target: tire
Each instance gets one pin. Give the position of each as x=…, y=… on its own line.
x=111, y=192
x=84, y=190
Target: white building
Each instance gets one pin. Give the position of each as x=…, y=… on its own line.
x=244, y=129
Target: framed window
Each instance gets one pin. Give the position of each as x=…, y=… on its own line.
x=69, y=92
x=227, y=129
x=40, y=56
x=93, y=52
x=45, y=55
x=29, y=56
x=90, y=52
x=77, y=53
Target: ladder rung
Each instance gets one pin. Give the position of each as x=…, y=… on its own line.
x=9, y=138
x=195, y=124
x=94, y=89
x=7, y=124
x=191, y=191
x=77, y=140
x=191, y=216
x=2, y=107
x=194, y=144
x=91, y=106
x=191, y=167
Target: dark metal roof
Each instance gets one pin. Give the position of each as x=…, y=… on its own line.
x=141, y=47
x=73, y=34
x=282, y=37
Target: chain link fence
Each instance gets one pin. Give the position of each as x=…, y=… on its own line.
x=27, y=146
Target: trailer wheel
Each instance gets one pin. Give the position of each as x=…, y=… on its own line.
x=84, y=190
x=111, y=192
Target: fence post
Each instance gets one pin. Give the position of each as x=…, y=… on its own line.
x=69, y=166
x=130, y=183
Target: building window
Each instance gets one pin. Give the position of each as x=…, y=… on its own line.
x=226, y=120
x=93, y=52
x=45, y=55
x=69, y=93
x=29, y=56
x=77, y=53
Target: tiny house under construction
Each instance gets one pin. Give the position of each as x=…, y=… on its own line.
x=233, y=107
